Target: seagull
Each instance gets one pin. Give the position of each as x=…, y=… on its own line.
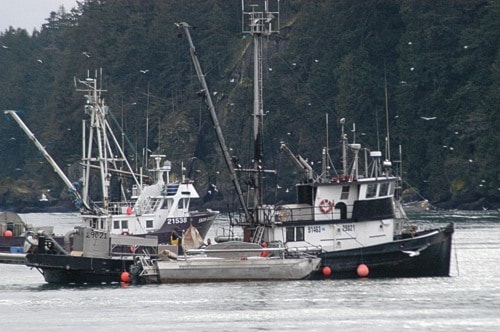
x=428, y=118
x=316, y=60
x=39, y=60
x=5, y=46
x=415, y=253
x=412, y=68
x=144, y=71
x=86, y=54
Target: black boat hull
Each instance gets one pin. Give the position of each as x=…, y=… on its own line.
x=66, y=269
x=427, y=254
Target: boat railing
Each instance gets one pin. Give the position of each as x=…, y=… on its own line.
x=294, y=213
x=116, y=208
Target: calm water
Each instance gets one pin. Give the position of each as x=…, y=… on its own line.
x=469, y=300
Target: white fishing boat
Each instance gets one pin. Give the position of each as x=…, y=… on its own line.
x=352, y=220
x=126, y=201
x=153, y=208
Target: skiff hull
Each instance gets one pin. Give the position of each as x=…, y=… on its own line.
x=248, y=269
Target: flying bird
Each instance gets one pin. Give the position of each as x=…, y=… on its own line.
x=5, y=46
x=144, y=71
x=412, y=253
x=39, y=60
x=86, y=54
x=428, y=118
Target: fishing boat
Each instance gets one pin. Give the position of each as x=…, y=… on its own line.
x=130, y=202
x=353, y=220
x=152, y=207
x=91, y=258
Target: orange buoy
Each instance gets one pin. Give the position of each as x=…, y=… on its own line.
x=327, y=271
x=129, y=210
x=363, y=270
x=7, y=233
x=125, y=277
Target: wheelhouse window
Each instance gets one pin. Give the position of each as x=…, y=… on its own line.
x=149, y=223
x=167, y=203
x=383, y=191
x=371, y=190
x=345, y=193
x=183, y=203
x=391, y=189
x=124, y=224
x=116, y=224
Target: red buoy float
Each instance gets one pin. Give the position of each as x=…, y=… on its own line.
x=363, y=270
x=327, y=271
x=7, y=233
x=125, y=277
x=129, y=210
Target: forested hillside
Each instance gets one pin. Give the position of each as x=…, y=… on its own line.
x=438, y=61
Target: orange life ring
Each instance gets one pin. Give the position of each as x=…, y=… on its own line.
x=325, y=206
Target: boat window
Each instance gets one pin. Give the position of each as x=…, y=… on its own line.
x=166, y=204
x=183, y=203
x=294, y=234
x=383, y=189
x=124, y=224
x=371, y=190
x=345, y=193
x=93, y=223
x=299, y=234
x=149, y=223
x=391, y=189
x=102, y=224
x=116, y=224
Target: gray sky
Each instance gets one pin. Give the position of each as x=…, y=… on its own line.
x=29, y=14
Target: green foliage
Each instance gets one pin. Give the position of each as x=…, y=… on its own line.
x=437, y=59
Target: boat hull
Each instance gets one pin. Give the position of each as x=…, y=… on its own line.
x=427, y=254
x=66, y=269
x=249, y=269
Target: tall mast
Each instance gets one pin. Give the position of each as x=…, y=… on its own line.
x=258, y=24
x=205, y=93
x=388, y=138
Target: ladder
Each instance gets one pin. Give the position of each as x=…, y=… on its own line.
x=259, y=234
